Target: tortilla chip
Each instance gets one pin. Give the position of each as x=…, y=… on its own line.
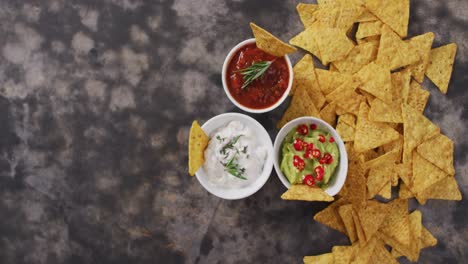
x=345, y=131
x=425, y=174
x=359, y=56
x=394, y=52
x=306, y=41
x=344, y=254
x=395, y=14
x=401, y=86
x=369, y=29
x=320, y=259
x=439, y=69
x=417, y=97
x=382, y=112
x=198, y=141
x=346, y=98
x=329, y=81
x=341, y=16
x=330, y=217
x=365, y=253
x=349, y=119
x=417, y=129
x=386, y=191
x=304, y=76
x=301, y=105
x=381, y=255
x=422, y=45
x=303, y=192
x=366, y=16
x=346, y=214
x=269, y=43
x=369, y=134
x=372, y=217
x=396, y=225
x=389, y=158
x=306, y=13
x=333, y=44
x=444, y=189
x=354, y=189
x=359, y=231
x=427, y=239
x=404, y=192
x=328, y=114
x=439, y=151
x=376, y=180
x=376, y=80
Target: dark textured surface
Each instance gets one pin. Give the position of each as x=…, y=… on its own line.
x=96, y=98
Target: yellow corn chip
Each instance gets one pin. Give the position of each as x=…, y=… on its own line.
x=345, y=131
x=329, y=81
x=304, y=76
x=438, y=151
x=354, y=189
x=358, y=225
x=372, y=217
x=376, y=180
x=328, y=114
x=394, y=52
x=417, y=97
x=404, y=192
x=346, y=214
x=365, y=253
x=386, y=191
x=301, y=105
x=427, y=239
x=444, y=189
x=382, y=112
x=320, y=259
x=333, y=44
x=394, y=13
x=376, y=80
x=269, y=43
x=366, y=16
x=389, y=158
x=303, y=192
x=396, y=225
x=417, y=129
x=306, y=13
x=381, y=255
x=330, y=217
x=425, y=173
x=306, y=41
x=369, y=134
x=359, y=56
x=344, y=254
x=401, y=86
x=198, y=141
x=422, y=45
x=439, y=69
x=349, y=119
x=369, y=29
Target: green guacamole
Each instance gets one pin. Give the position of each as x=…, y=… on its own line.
x=314, y=136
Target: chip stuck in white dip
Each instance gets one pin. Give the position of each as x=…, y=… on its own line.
x=234, y=158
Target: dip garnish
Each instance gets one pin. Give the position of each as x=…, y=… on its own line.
x=230, y=144
x=254, y=71
x=233, y=168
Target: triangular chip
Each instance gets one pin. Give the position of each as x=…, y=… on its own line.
x=425, y=174
x=354, y=189
x=345, y=131
x=376, y=80
x=301, y=105
x=376, y=180
x=306, y=41
x=304, y=75
x=303, y=192
x=359, y=231
x=333, y=44
x=439, y=151
x=394, y=13
x=306, y=13
x=329, y=81
x=365, y=253
x=344, y=254
x=417, y=129
x=439, y=69
x=386, y=191
x=383, y=112
x=422, y=45
x=381, y=255
x=359, y=56
x=320, y=259
x=366, y=16
x=370, y=134
x=198, y=141
x=445, y=189
x=401, y=86
x=427, y=239
x=417, y=97
x=404, y=192
x=396, y=225
x=369, y=29
x=330, y=217
x=346, y=214
x=371, y=217
x=389, y=158
x=394, y=52
x=269, y=43
x=328, y=114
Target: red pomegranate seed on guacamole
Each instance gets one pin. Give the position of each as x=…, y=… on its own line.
x=331, y=139
x=319, y=172
x=323, y=160
x=316, y=153
x=298, y=163
x=313, y=126
x=310, y=146
x=319, y=177
x=321, y=138
x=299, y=144
x=303, y=130
x=309, y=180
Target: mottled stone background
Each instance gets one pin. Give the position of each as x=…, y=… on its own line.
x=96, y=98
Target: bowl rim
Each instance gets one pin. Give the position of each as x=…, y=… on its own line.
x=342, y=169
x=227, y=60
x=260, y=131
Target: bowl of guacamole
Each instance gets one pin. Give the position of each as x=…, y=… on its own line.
x=309, y=151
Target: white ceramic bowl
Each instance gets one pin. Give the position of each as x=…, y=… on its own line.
x=341, y=172
x=261, y=134
x=233, y=100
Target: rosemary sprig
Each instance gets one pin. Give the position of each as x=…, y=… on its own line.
x=230, y=144
x=233, y=168
x=254, y=71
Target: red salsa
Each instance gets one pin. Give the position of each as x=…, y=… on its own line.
x=264, y=91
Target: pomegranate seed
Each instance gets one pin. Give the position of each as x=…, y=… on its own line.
x=316, y=153
x=298, y=163
x=330, y=160
x=331, y=139
x=319, y=172
x=308, y=154
x=309, y=180
x=319, y=177
x=321, y=138
x=323, y=160
x=327, y=156
x=310, y=146
x=303, y=130
x=299, y=144
x=313, y=126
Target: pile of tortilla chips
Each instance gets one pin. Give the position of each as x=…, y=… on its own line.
x=372, y=94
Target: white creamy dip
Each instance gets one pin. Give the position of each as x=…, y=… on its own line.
x=234, y=158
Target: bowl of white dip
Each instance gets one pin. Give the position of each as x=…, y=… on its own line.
x=238, y=158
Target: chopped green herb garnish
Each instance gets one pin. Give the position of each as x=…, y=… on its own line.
x=254, y=71
x=233, y=168
x=230, y=145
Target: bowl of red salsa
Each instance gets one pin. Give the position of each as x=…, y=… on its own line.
x=264, y=93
